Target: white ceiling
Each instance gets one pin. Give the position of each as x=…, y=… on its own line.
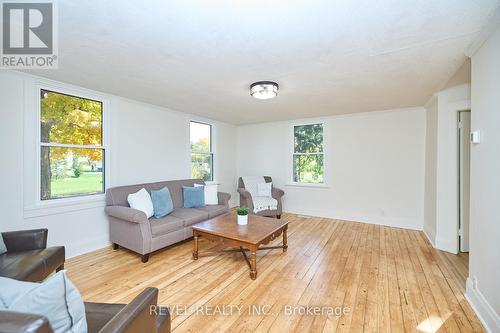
x=329, y=57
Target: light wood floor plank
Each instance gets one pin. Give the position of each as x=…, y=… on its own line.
x=395, y=300
x=388, y=279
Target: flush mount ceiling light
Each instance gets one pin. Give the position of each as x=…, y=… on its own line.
x=264, y=89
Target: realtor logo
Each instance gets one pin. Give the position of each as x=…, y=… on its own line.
x=29, y=35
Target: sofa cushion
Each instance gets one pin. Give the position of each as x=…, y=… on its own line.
x=193, y=197
x=264, y=189
x=214, y=210
x=162, y=202
x=141, y=200
x=34, y=265
x=165, y=225
x=211, y=191
x=190, y=215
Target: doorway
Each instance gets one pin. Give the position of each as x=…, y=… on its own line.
x=464, y=132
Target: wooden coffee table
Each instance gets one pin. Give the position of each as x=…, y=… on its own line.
x=259, y=231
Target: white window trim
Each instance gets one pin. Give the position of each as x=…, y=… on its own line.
x=293, y=183
x=212, y=145
x=33, y=204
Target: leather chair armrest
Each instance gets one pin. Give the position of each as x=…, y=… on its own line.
x=277, y=193
x=137, y=316
x=164, y=320
x=25, y=240
x=223, y=198
x=126, y=213
x=16, y=322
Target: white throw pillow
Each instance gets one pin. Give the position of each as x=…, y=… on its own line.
x=210, y=193
x=264, y=189
x=141, y=200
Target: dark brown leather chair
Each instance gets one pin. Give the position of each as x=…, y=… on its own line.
x=141, y=315
x=28, y=258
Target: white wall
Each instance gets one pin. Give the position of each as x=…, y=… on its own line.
x=441, y=166
x=374, y=166
x=431, y=169
x=484, y=266
x=146, y=143
x=450, y=102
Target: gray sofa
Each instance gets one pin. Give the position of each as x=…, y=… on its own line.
x=131, y=229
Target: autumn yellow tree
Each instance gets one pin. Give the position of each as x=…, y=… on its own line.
x=68, y=120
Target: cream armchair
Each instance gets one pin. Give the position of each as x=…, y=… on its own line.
x=246, y=199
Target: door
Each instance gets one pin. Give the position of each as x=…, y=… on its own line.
x=464, y=179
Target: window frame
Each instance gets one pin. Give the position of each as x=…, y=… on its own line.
x=78, y=198
x=210, y=152
x=293, y=154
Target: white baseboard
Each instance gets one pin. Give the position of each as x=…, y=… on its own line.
x=380, y=220
x=430, y=237
x=446, y=244
x=485, y=312
x=89, y=245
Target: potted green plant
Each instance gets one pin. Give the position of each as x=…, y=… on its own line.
x=242, y=215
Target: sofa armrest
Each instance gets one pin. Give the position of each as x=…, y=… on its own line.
x=17, y=322
x=126, y=213
x=277, y=193
x=137, y=316
x=223, y=198
x=244, y=193
x=25, y=240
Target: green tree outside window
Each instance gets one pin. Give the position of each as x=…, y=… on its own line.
x=308, y=155
x=201, y=151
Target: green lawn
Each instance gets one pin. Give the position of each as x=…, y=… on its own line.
x=86, y=183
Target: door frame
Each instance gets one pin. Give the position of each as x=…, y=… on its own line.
x=459, y=177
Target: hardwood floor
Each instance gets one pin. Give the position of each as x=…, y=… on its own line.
x=458, y=265
x=383, y=279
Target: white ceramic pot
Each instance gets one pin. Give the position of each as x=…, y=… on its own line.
x=242, y=219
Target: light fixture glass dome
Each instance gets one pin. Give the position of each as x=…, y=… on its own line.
x=264, y=89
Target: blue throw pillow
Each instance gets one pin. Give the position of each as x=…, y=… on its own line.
x=162, y=202
x=194, y=197
x=55, y=298
x=3, y=248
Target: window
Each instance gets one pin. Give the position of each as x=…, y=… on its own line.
x=308, y=154
x=202, y=157
x=71, y=146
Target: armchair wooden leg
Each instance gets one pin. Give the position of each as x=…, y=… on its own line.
x=145, y=258
x=60, y=268
x=116, y=246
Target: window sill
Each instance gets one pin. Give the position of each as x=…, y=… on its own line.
x=308, y=185
x=59, y=206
